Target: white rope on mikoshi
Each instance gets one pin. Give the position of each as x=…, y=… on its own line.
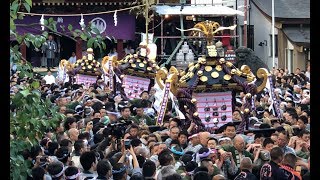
x=275, y=106
x=176, y=107
x=252, y=104
x=158, y=98
x=164, y=103
x=111, y=85
x=62, y=71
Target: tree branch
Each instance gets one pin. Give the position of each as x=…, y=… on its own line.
x=55, y=32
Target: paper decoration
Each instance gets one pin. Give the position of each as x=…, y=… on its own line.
x=82, y=23
x=42, y=22
x=134, y=86
x=215, y=109
x=115, y=18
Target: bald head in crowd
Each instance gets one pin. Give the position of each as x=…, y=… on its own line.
x=239, y=143
x=204, y=136
x=218, y=177
x=290, y=160
x=246, y=164
x=73, y=134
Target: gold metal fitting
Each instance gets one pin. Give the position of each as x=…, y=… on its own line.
x=250, y=78
x=229, y=64
x=238, y=72
x=222, y=60
x=200, y=73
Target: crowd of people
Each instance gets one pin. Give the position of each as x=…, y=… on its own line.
x=104, y=137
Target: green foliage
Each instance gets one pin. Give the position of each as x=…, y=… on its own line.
x=142, y=10
x=32, y=115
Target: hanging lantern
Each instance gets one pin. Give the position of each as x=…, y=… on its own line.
x=180, y=56
x=190, y=56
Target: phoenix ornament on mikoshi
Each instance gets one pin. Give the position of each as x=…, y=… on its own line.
x=207, y=29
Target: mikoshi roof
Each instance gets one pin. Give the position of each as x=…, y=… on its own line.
x=138, y=66
x=87, y=65
x=214, y=74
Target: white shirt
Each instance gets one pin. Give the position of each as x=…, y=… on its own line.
x=49, y=79
x=72, y=59
x=128, y=51
x=307, y=74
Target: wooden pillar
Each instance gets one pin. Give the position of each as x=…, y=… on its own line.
x=120, y=48
x=79, y=48
x=23, y=50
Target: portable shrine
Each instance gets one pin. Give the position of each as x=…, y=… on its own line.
x=207, y=88
x=137, y=71
x=87, y=69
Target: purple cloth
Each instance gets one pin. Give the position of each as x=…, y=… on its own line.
x=125, y=28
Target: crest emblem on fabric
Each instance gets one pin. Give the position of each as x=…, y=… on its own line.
x=241, y=176
x=100, y=24
x=265, y=172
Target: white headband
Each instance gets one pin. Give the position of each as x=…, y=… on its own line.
x=59, y=174
x=224, y=138
x=73, y=176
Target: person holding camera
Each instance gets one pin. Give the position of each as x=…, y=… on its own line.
x=127, y=152
x=225, y=163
